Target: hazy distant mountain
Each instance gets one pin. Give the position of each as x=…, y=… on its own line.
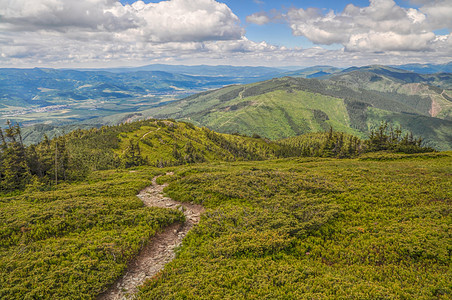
x=427, y=68
x=313, y=72
x=371, y=74
x=204, y=70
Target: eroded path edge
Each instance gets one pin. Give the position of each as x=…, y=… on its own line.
x=160, y=249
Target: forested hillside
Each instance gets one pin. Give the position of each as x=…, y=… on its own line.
x=353, y=102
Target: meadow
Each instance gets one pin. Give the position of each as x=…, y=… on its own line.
x=319, y=216
x=72, y=242
x=376, y=227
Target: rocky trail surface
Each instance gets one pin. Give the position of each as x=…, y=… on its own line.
x=160, y=249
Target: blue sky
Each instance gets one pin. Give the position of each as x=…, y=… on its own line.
x=279, y=33
x=102, y=33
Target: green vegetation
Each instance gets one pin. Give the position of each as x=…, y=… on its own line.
x=331, y=144
x=163, y=143
x=437, y=132
x=277, y=225
x=377, y=227
x=287, y=107
x=156, y=143
x=74, y=241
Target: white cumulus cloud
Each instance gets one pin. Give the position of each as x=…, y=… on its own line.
x=381, y=26
x=174, y=20
x=68, y=31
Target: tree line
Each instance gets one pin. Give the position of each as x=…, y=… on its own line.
x=72, y=156
x=46, y=163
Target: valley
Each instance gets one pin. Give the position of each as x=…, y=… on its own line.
x=222, y=149
x=59, y=97
x=354, y=100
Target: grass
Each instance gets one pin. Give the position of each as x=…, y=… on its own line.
x=74, y=242
x=266, y=114
x=372, y=227
x=376, y=227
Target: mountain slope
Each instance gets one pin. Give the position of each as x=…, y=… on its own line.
x=296, y=229
x=274, y=114
x=439, y=80
x=428, y=94
x=272, y=228
x=427, y=68
x=285, y=107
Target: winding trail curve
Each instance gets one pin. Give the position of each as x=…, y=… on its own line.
x=160, y=249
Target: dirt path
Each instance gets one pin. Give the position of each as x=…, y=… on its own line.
x=144, y=135
x=160, y=250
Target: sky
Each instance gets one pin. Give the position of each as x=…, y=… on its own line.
x=112, y=33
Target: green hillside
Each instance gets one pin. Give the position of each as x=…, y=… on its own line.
x=286, y=107
x=428, y=94
x=314, y=229
x=277, y=224
x=441, y=80
x=163, y=143
x=276, y=114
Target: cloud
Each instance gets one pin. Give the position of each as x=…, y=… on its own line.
x=258, y=18
x=166, y=21
x=65, y=32
x=381, y=26
x=60, y=15
x=96, y=33
x=439, y=13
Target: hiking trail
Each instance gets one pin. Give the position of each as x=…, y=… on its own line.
x=160, y=249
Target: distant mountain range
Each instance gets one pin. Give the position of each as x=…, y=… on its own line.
x=427, y=68
x=201, y=70
x=274, y=102
x=249, y=72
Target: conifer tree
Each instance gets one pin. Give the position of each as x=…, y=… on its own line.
x=15, y=171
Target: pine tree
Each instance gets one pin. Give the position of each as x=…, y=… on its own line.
x=15, y=171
